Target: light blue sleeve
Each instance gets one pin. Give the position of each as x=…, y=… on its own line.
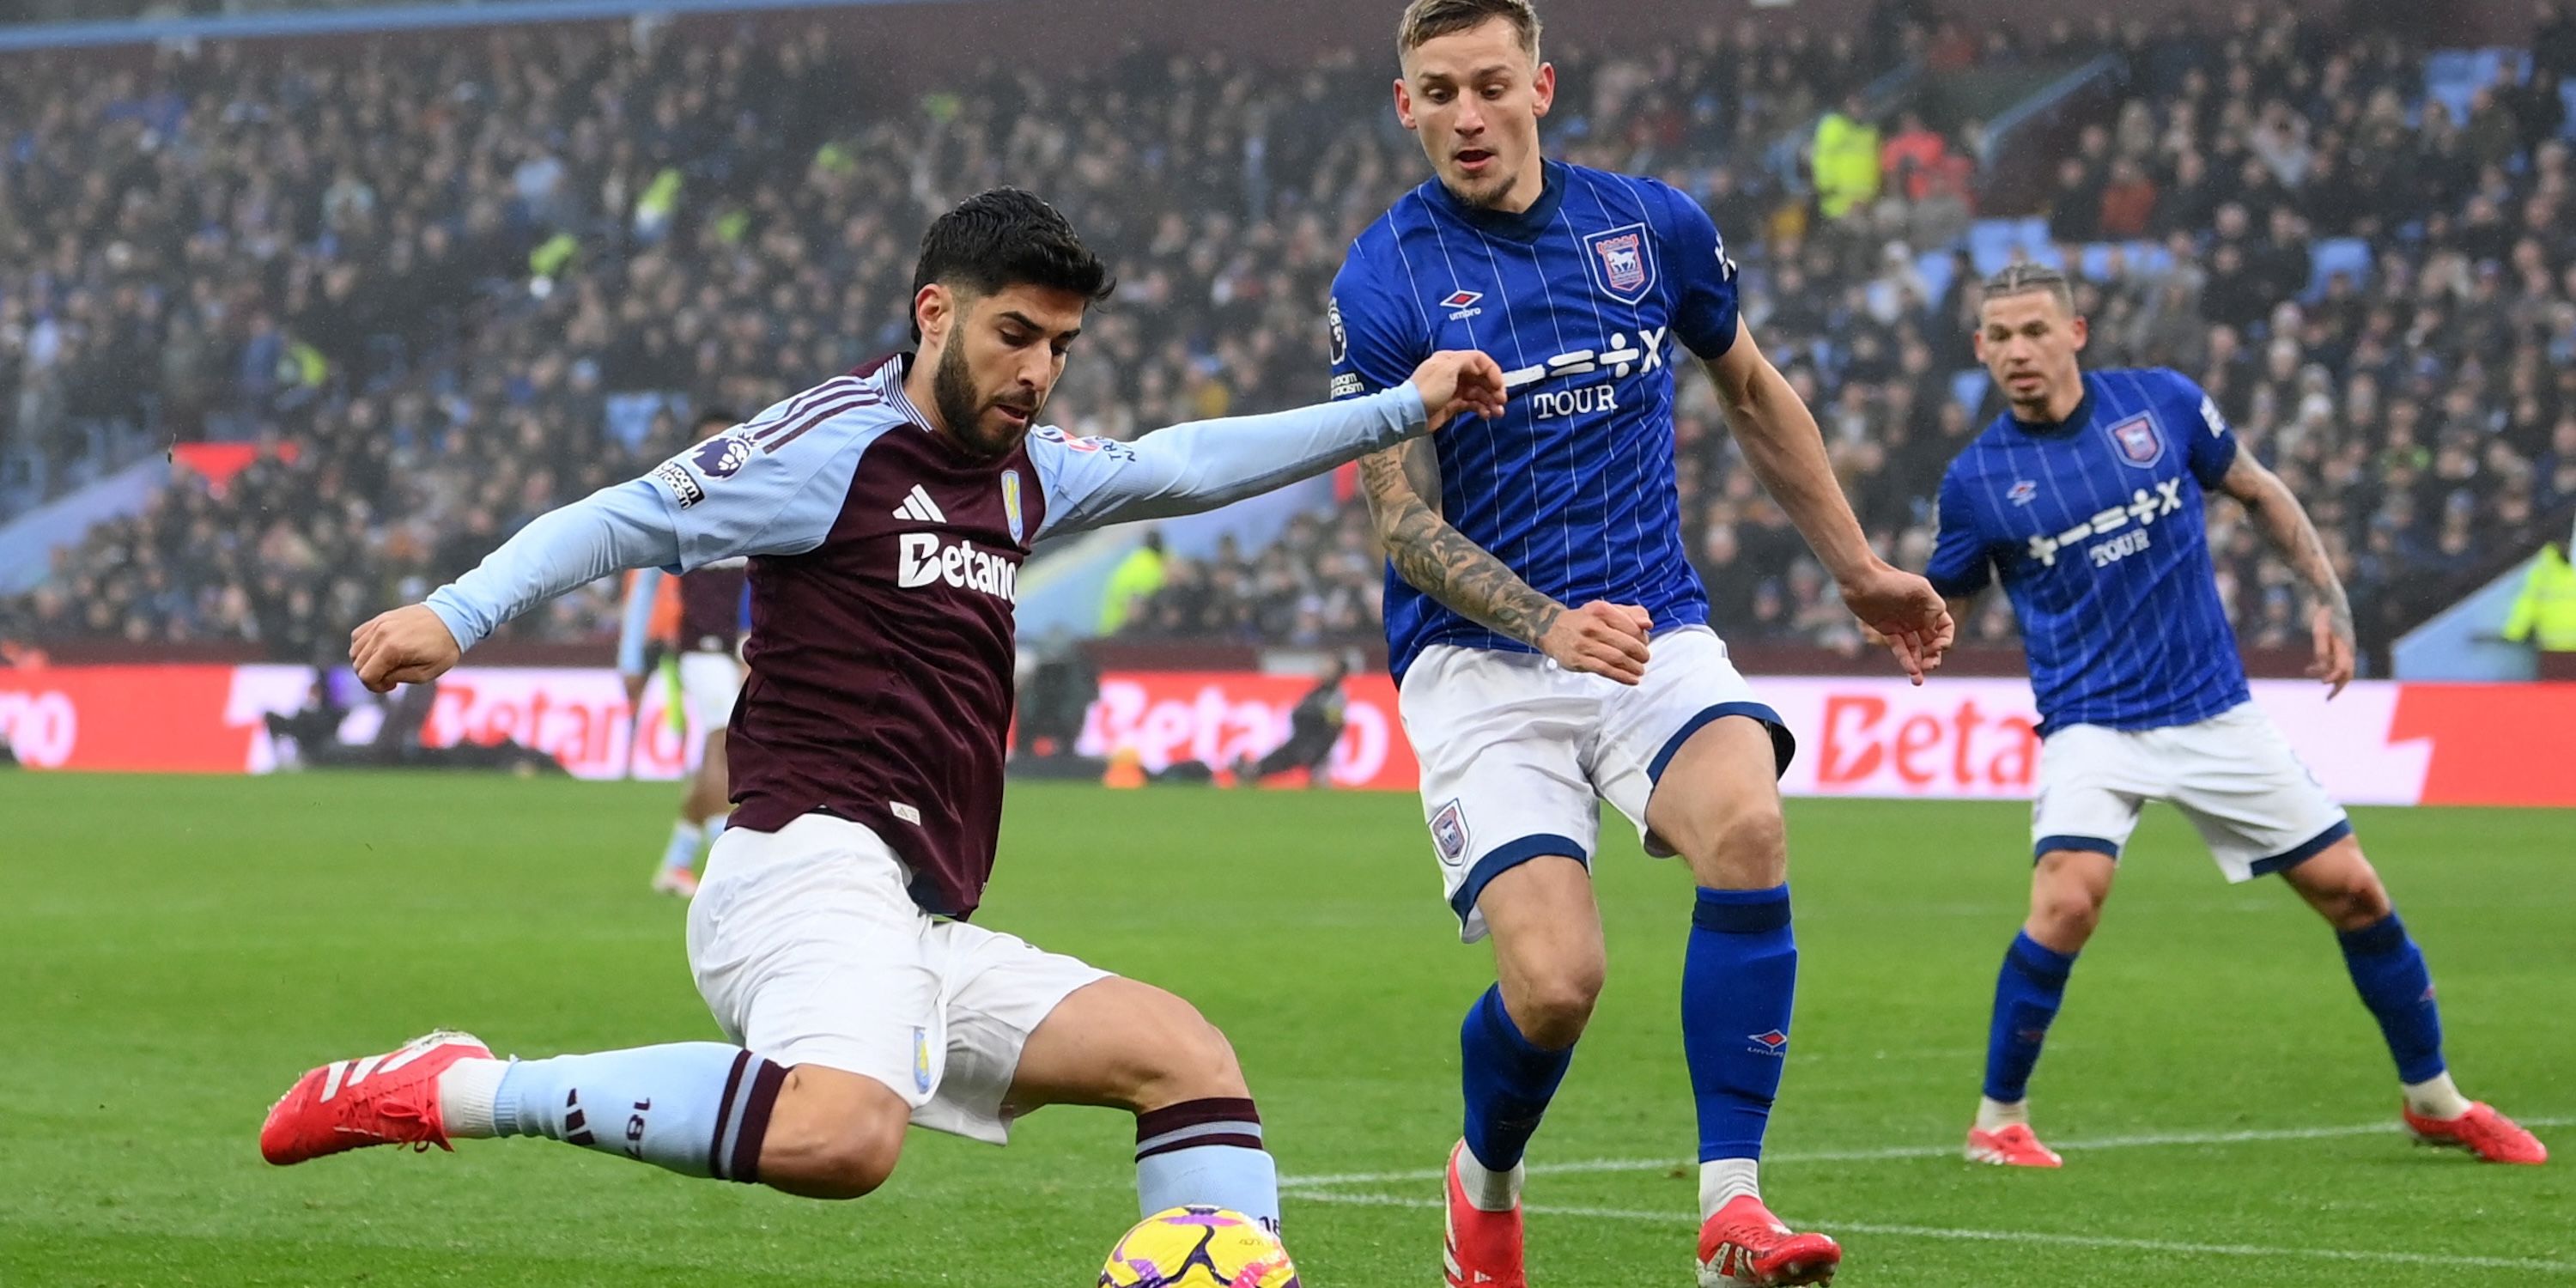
x=1961, y=564
x=636, y=622
x=1089, y=482
x=749, y=491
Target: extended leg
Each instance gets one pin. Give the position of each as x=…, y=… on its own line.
x=2388, y=971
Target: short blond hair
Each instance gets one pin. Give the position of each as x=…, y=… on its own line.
x=1428, y=20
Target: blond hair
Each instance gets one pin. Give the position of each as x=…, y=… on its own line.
x=1429, y=20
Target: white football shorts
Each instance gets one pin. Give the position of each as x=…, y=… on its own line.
x=709, y=683
x=2233, y=775
x=809, y=951
x=1516, y=751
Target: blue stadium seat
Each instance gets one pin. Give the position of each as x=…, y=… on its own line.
x=1936, y=270
x=1969, y=387
x=2347, y=255
x=2567, y=95
x=1990, y=244
x=2453, y=76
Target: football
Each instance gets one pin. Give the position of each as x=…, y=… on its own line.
x=1198, y=1247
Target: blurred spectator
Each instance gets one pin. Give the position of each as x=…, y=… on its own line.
x=1845, y=159
x=1136, y=580
x=2545, y=611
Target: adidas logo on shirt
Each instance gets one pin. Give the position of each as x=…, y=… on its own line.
x=919, y=508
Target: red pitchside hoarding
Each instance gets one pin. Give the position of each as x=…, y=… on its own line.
x=2380, y=743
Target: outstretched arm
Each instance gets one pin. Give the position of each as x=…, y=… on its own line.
x=732, y=495
x=1206, y=464
x=1780, y=441
x=616, y=528
x=2284, y=523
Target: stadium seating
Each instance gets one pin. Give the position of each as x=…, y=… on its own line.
x=461, y=339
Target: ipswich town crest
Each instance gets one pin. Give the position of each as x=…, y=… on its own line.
x=1623, y=261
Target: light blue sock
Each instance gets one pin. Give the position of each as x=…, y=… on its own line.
x=1206, y=1152
x=714, y=828
x=697, y=1108
x=682, y=852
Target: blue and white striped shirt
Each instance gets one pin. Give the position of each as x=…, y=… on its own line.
x=1586, y=299
x=2096, y=527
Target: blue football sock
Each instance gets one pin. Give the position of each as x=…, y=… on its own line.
x=1738, y=979
x=1508, y=1082
x=1206, y=1152
x=682, y=852
x=2389, y=972
x=714, y=828
x=2027, y=995
x=697, y=1108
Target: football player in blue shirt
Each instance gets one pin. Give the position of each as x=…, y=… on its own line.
x=2085, y=500
x=1549, y=634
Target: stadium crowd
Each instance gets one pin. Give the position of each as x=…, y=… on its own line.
x=458, y=283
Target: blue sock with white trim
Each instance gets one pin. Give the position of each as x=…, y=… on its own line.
x=2389, y=972
x=697, y=1108
x=1206, y=1152
x=2028, y=992
x=1508, y=1082
x=1739, y=979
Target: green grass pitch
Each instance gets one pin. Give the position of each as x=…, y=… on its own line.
x=174, y=951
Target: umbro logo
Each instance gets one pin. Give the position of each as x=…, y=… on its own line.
x=1772, y=1042
x=919, y=508
x=1462, y=304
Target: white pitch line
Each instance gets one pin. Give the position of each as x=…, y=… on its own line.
x=2006, y=1236
x=1591, y=1166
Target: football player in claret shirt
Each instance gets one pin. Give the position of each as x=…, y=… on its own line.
x=1548, y=633
x=2086, y=500
x=885, y=514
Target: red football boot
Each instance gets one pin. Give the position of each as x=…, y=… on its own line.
x=1744, y=1246
x=2013, y=1145
x=1484, y=1248
x=2483, y=1132
x=389, y=1099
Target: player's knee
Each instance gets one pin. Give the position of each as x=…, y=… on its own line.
x=1189, y=1058
x=2349, y=897
x=847, y=1159
x=2065, y=914
x=1746, y=850
x=1554, y=1005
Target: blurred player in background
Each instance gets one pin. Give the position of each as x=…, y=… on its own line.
x=1548, y=632
x=1314, y=725
x=886, y=514
x=2086, y=500
x=697, y=618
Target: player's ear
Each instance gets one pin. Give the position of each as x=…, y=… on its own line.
x=1543, y=89
x=2081, y=330
x=934, y=310
x=1403, y=103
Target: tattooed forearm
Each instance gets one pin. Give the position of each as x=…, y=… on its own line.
x=1439, y=560
x=2285, y=525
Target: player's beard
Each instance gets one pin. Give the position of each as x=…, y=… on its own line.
x=952, y=390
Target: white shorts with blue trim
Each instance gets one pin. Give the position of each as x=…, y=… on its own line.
x=1516, y=751
x=2233, y=775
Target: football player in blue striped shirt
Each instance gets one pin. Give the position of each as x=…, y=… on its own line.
x=2085, y=500
x=1549, y=634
